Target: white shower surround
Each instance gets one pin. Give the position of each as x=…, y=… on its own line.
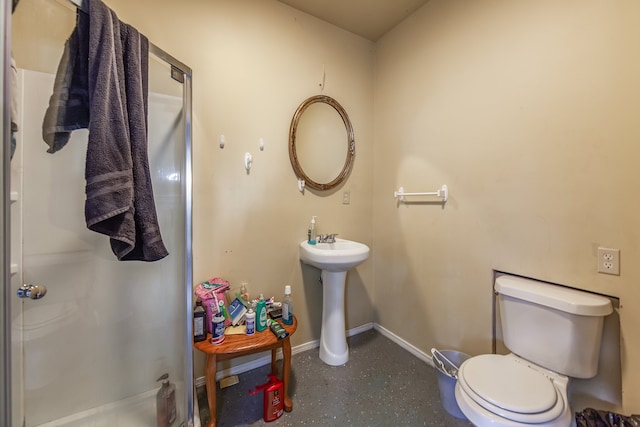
x=106, y=330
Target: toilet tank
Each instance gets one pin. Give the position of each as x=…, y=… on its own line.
x=552, y=326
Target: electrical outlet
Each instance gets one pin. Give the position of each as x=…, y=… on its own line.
x=609, y=261
x=346, y=197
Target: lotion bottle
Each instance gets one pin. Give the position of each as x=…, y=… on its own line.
x=166, y=402
x=312, y=231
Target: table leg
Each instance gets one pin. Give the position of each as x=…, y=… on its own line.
x=274, y=361
x=212, y=366
x=286, y=368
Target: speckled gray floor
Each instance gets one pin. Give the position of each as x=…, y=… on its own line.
x=381, y=385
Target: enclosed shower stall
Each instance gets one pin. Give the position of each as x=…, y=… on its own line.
x=89, y=352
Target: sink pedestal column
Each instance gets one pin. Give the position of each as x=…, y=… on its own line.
x=333, y=340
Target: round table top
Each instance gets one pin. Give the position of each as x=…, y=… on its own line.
x=240, y=343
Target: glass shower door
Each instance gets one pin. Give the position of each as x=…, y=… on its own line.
x=92, y=348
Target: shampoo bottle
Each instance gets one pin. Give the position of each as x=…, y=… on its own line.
x=166, y=402
x=261, y=315
x=312, y=231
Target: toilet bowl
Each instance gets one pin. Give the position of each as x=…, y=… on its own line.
x=554, y=334
x=509, y=391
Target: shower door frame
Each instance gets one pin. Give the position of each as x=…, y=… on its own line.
x=5, y=204
x=178, y=69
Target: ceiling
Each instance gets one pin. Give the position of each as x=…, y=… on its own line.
x=370, y=19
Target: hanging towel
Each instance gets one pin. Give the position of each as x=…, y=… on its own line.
x=101, y=84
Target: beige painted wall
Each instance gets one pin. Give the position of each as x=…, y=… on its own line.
x=529, y=112
x=253, y=63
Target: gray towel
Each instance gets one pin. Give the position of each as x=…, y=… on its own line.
x=102, y=85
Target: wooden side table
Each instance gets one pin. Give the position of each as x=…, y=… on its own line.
x=241, y=345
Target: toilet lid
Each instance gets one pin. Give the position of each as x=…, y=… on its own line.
x=510, y=388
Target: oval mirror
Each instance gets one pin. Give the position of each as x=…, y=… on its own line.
x=318, y=142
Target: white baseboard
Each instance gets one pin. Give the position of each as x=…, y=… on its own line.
x=425, y=357
x=262, y=361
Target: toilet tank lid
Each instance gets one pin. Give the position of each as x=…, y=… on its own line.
x=555, y=296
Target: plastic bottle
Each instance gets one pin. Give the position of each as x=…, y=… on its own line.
x=261, y=315
x=250, y=322
x=217, y=328
x=287, y=306
x=199, y=322
x=166, y=402
x=273, y=406
x=244, y=295
x=222, y=309
x=312, y=231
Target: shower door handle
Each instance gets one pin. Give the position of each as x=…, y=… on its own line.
x=32, y=291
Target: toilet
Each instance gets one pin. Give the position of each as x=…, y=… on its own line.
x=554, y=334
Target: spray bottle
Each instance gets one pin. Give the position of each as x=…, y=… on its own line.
x=273, y=398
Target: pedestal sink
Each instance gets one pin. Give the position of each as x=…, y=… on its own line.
x=334, y=259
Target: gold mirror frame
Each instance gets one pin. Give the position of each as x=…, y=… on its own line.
x=351, y=144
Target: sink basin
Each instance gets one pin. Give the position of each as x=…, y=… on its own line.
x=334, y=259
x=342, y=255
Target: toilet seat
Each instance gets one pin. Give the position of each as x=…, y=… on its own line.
x=511, y=388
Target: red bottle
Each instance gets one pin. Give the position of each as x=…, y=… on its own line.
x=273, y=398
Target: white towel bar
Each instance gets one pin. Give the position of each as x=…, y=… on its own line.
x=442, y=192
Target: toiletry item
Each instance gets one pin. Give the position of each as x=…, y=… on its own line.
x=199, y=322
x=166, y=402
x=222, y=309
x=278, y=330
x=276, y=313
x=244, y=295
x=217, y=328
x=261, y=315
x=250, y=322
x=287, y=306
x=273, y=406
x=312, y=231
x=237, y=311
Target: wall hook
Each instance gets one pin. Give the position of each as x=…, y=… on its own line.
x=248, y=160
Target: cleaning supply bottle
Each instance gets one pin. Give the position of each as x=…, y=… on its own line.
x=166, y=402
x=287, y=306
x=273, y=406
x=261, y=315
x=250, y=322
x=312, y=231
x=199, y=322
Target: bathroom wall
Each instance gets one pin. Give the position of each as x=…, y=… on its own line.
x=253, y=63
x=528, y=111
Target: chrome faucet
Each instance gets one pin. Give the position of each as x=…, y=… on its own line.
x=327, y=238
